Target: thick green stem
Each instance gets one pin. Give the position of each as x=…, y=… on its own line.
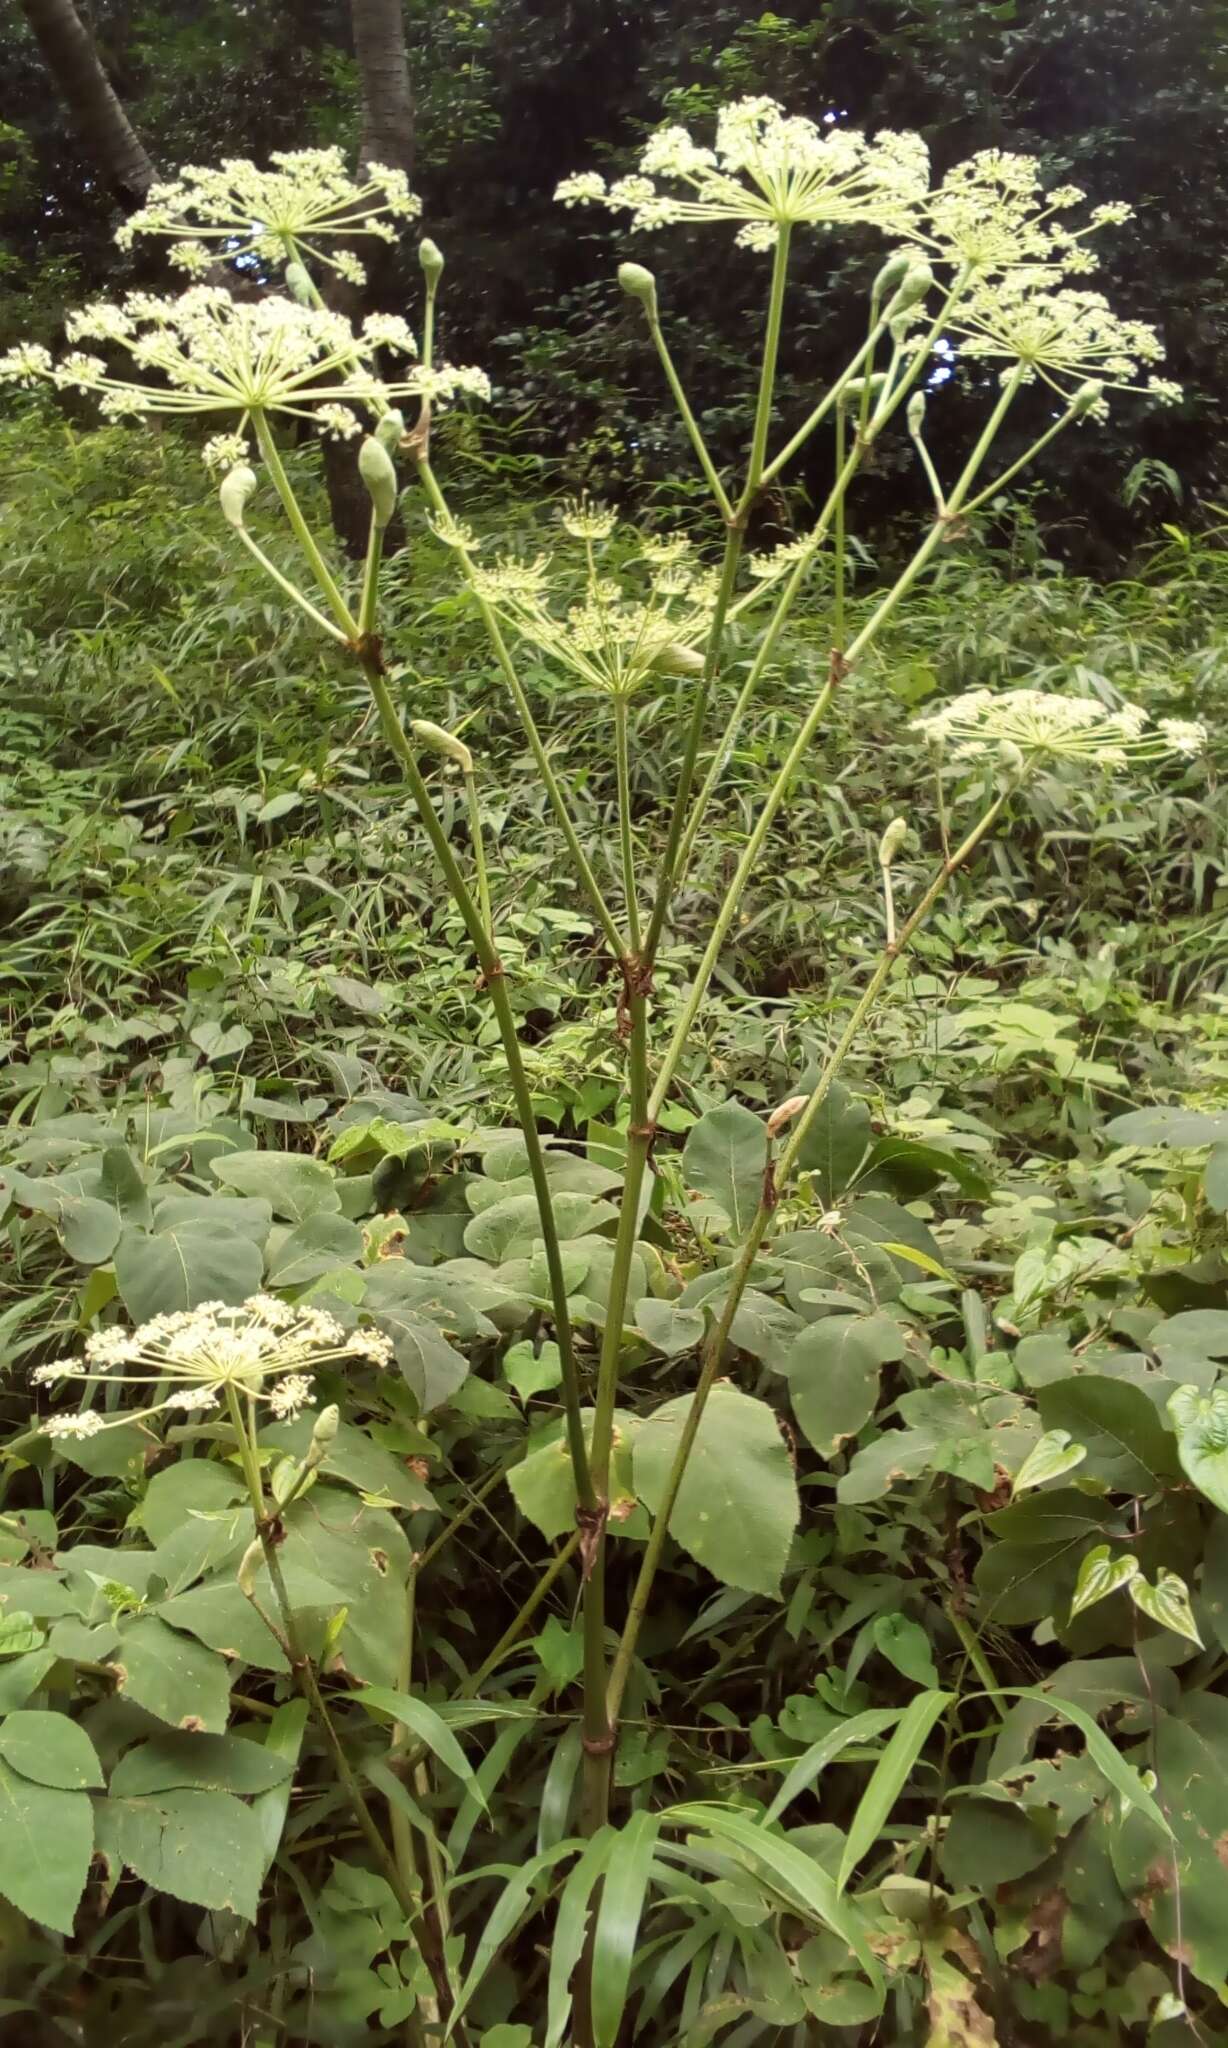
x=767, y=374
x=370, y=579
x=496, y=987
x=300, y=529
x=774, y=1182
x=626, y=844
x=882, y=613
x=839, y=537
x=537, y=748
x=688, y=418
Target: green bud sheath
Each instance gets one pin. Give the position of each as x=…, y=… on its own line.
x=916, y=282
x=376, y=470
x=430, y=257
x=892, y=274
x=234, y=491
x=298, y=283
x=442, y=742
x=638, y=283
x=892, y=840
x=390, y=430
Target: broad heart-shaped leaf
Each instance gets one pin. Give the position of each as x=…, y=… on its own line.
x=1201, y=1423
x=183, y=1492
x=511, y=1227
x=905, y=1644
x=668, y=1326
x=208, y=1763
x=204, y=1847
x=1051, y=1458
x=160, y=1271
x=1102, y=1572
x=833, y=1373
x=245, y=1214
x=1167, y=1602
x=1191, y=1763
x=1188, y=1129
x=293, y=1185
x=1215, y=1179
x=46, y=1842
x=314, y=1246
x=737, y=1507
x=835, y=1144
x=51, y=1749
x=1190, y=1337
x=1128, y=1448
x=171, y=1676
x=726, y=1156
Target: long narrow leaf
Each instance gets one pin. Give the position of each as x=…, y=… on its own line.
x=556, y=1792
x=799, y=1874
x=425, y=1723
x=488, y=1774
x=890, y=1775
x=618, y=1922
x=861, y=1728
x=283, y=1737
x=567, y=1946
x=504, y=1919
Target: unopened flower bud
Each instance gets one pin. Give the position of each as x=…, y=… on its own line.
x=390, y=430
x=327, y=1423
x=443, y=742
x=234, y=491
x=376, y=470
x=1086, y=398
x=298, y=284
x=916, y=412
x=891, y=842
x=430, y=257
x=892, y=274
x=916, y=282
x=784, y=1113
x=250, y=1564
x=638, y=283
x=1010, y=762
x=677, y=660
x=868, y=388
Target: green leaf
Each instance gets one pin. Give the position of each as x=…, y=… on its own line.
x=668, y=1326
x=836, y=1142
x=627, y=1871
x=46, y=1843
x=217, y=1615
x=531, y=1371
x=160, y=1271
x=1201, y=1422
x=19, y=1632
x=889, y=1777
x=207, y=1763
x=905, y=1644
x=51, y=1749
x=511, y=1228
x=203, y=1847
x=543, y=1485
x=865, y=1727
x=1182, y=1885
x=1111, y=1765
x=23, y=1676
x=1051, y=1458
x=424, y=1722
x=799, y=1875
x=567, y=1946
x=1128, y=1448
x=1187, y=1129
x=1167, y=1602
x=725, y=1156
x=737, y=1507
x=293, y=1185
x=1100, y=1574
x=283, y=1740
x=171, y=1676
x=503, y=1919
x=833, y=1372
x=317, y=1244
x=560, y=1650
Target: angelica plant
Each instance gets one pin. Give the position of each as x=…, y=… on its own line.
x=987, y=256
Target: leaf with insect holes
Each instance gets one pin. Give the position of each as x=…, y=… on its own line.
x=1167, y=1602
x=1054, y=1456
x=1099, y=1575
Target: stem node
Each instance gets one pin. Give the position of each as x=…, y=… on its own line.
x=591, y=1524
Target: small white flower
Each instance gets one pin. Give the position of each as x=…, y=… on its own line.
x=337, y=422
x=297, y=208
x=223, y=452
x=584, y=520
x=88, y=1423
x=290, y=1395
x=1042, y=726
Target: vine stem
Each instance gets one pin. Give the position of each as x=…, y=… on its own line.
x=775, y=1180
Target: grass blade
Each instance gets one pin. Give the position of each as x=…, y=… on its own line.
x=890, y=1775
x=425, y=1723
x=861, y=1728
x=628, y=1868
x=569, y=1928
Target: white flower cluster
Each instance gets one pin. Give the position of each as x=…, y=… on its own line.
x=1043, y=726
x=767, y=169
x=279, y=216
x=991, y=215
x=618, y=634
x=1064, y=337
x=258, y=1349
x=205, y=352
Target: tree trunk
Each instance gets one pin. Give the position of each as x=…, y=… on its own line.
x=387, y=97
x=74, y=63
x=387, y=137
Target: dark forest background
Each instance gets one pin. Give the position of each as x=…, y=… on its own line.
x=1126, y=98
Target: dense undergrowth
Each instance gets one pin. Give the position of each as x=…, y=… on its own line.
x=227, y=960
